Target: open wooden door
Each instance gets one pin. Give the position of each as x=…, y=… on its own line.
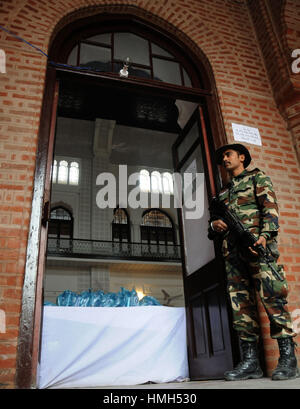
x=208, y=328
x=38, y=314
x=31, y=315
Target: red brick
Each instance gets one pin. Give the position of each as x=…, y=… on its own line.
x=7, y=349
x=7, y=363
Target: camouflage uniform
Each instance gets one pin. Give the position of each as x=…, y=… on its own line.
x=251, y=196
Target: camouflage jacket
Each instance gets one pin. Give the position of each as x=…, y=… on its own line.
x=251, y=196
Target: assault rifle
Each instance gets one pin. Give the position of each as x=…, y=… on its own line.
x=245, y=237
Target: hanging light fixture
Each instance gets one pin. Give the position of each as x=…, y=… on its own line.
x=124, y=71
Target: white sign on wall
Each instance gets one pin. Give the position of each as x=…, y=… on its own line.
x=246, y=134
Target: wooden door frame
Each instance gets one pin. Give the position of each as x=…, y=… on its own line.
x=31, y=308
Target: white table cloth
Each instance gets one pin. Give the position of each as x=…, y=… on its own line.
x=102, y=346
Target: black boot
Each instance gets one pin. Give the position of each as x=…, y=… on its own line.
x=287, y=364
x=249, y=367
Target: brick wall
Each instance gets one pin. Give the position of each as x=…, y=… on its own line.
x=225, y=33
x=277, y=29
x=292, y=23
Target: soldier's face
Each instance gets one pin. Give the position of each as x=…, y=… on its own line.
x=232, y=160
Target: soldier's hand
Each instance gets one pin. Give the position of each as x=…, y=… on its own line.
x=262, y=241
x=219, y=226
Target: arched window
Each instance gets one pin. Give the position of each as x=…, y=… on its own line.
x=107, y=52
x=65, y=172
x=60, y=223
x=167, y=183
x=156, y=185
x=62, y=176
x=157, y=228
x=145, y=184
x=74, y=173
x=120, y=226
x=54, y=171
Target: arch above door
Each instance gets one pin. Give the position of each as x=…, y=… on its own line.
x=113, y=17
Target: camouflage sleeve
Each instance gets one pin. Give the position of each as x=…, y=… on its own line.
x=267, y=203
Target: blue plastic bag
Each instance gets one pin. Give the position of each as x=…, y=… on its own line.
x=124, y=298
x=49, y=304
x=148, y=300
x=109, y=300
x=96, y=298
x=130, y=297
x=67, y=299
x=84, y=299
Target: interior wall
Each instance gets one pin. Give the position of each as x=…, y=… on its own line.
x=151, y=281
x=81, y=276
x=65, y=277
x=75, y=140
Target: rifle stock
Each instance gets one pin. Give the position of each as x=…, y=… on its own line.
x=219, y=209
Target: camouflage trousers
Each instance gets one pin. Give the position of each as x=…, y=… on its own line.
x=246, y=276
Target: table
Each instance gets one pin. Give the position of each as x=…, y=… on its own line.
x=103, y=346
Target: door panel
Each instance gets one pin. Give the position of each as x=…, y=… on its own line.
x=198, y=249
x=209, y=358
x=208, y=326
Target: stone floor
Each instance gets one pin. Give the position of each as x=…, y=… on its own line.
x=264, y=383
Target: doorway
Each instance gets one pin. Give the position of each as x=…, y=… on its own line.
x=209, y=303
x=94, y=248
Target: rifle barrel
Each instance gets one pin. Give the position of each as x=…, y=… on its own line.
x=236, y=225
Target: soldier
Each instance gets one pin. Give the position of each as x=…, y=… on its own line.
x=250, y=194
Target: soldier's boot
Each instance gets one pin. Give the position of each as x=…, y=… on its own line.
x=249, y=367
x=287, y=363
